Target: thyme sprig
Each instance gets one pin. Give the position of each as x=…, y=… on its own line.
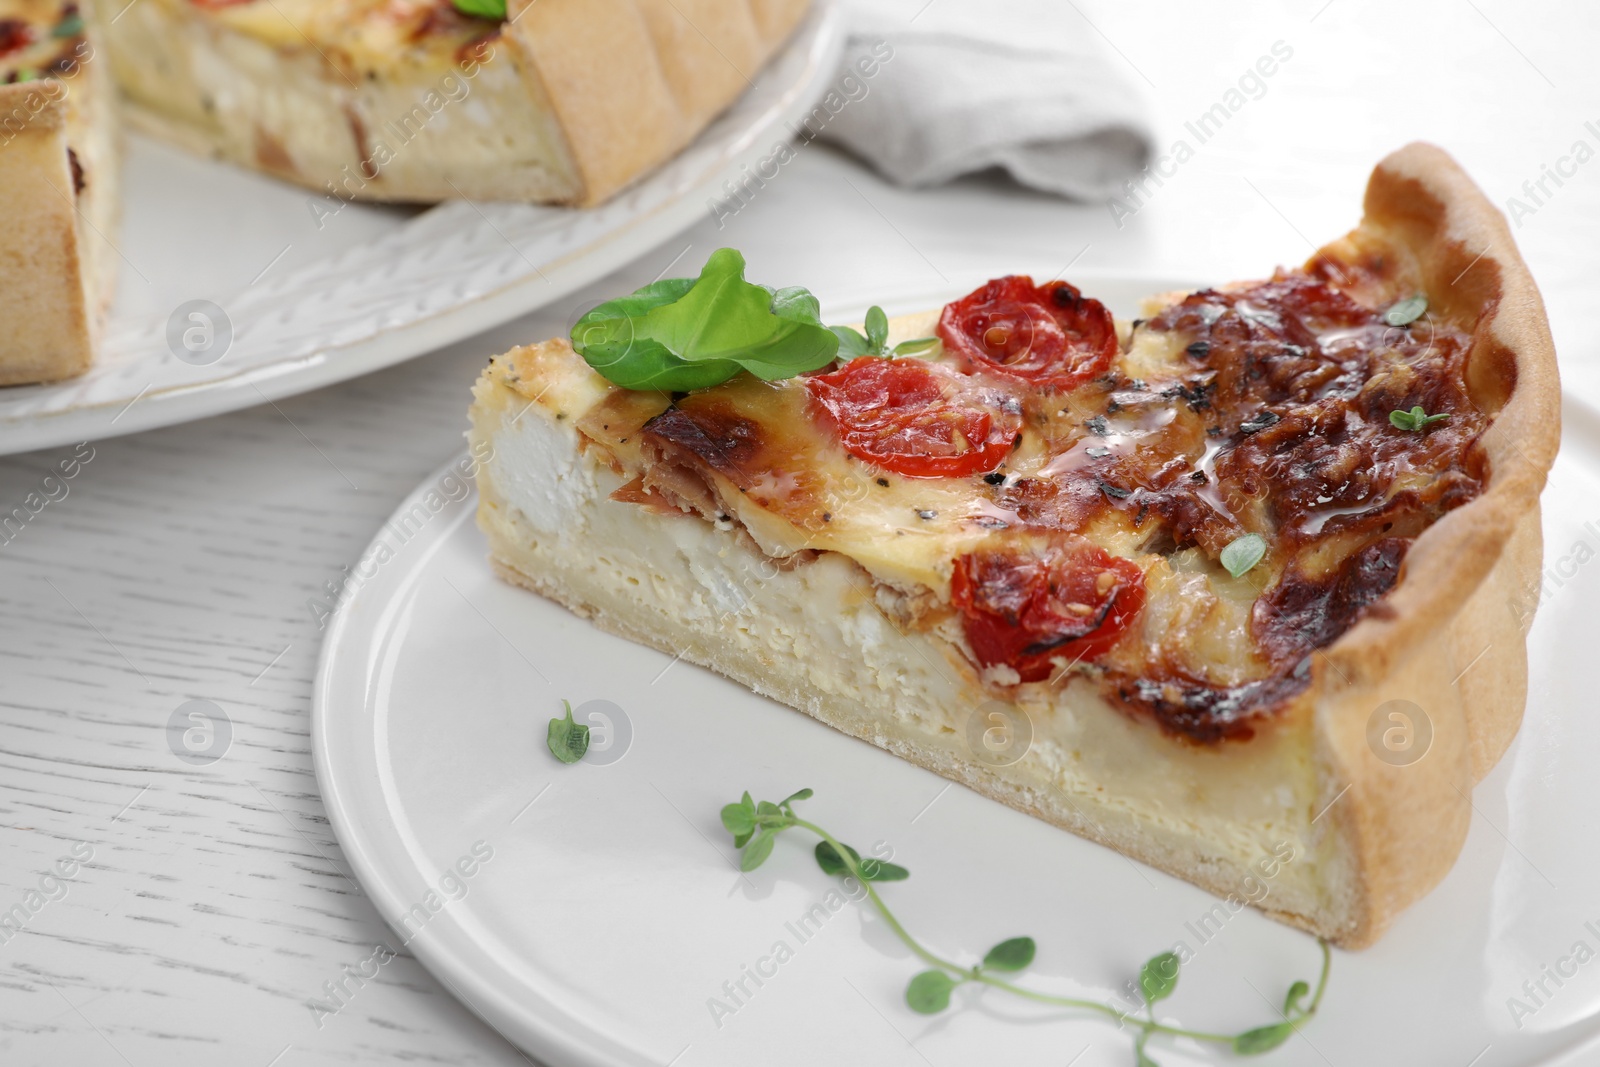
x=756, y=826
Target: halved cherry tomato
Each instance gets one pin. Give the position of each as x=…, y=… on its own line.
x=916, y=418
x=1051, y=336
x=1065, y=598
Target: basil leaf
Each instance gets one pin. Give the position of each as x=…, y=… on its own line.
x=796, y=304
x=741, y=840
x=851, y=343
x=872, y=870
x=915, y=345
x=684, y=334
x=567, y=740
x=1159, y=977
x=767, y=807
x=1243, y=553
x=877, y=330
x=738, y=819
x=929, y=992
x=757, y=851
x=1262, y=1039
x=804, y=794
x=483, y=9
x=1011, y=955
x=608, y=338
x=1407, y=311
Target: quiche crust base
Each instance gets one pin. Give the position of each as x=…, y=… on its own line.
x=576, y=100
x=56, y=262
x=1368, y=837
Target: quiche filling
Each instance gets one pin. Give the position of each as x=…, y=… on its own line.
x=1057, y=493
x=39, y=39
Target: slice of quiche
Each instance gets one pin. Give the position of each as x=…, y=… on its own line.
x=1236, y=587
x=562, y=101
x=58, y=182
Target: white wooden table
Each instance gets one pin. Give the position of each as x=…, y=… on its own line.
x=214, y=904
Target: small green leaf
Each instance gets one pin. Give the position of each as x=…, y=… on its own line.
x=27, y=74
x=1262, y=1039
x=1407, y=311
x=767, y=807
x=915, y=345
x=929, y=992
x=877, y=330
x=804, y=794
x=757, y=851
x=71, y=26
x=1297, y=993
x=1012, y=954
x=567, y=740
x=738, y=819
x=876, y=870
x=740, y=840
x=483, y=9
x=1159, y=977
x=1243, y=553
x=1416, y=419
x=851, y=342
x=872, y=870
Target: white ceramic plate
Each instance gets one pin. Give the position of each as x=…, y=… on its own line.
x=610, y=912
x=312, y=296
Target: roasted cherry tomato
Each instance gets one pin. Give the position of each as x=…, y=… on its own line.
x=1066, y=598
x=916, y=418
x=1051, y=336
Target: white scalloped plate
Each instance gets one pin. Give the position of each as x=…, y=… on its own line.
x=315, y=298
x=610, y=913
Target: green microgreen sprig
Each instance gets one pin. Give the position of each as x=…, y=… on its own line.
x=875, y=342
x=755, y=828
x=568, y=741
x=1405, y=312
x=1415, y=420
x=1243, y=553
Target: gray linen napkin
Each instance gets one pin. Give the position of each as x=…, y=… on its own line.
x=931, y=91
